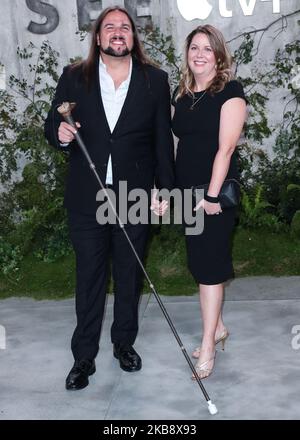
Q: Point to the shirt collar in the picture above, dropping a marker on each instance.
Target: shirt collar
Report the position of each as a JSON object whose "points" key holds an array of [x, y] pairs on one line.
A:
{"points": [[102, 67]]}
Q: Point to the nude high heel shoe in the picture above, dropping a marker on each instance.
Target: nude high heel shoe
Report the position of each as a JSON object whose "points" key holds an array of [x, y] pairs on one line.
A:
{"points": [[203, 371], [222, 338]]}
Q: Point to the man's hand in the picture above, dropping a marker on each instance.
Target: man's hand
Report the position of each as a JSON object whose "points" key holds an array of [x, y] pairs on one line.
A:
{"points": [[66, 132], [159, 208]]}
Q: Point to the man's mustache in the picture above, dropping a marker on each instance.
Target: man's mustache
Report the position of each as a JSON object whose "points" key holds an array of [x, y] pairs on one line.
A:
{"points": [[118, 38]]}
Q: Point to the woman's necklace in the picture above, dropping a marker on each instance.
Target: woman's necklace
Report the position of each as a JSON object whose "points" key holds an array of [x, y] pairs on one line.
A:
{"points": [[197, 100]]}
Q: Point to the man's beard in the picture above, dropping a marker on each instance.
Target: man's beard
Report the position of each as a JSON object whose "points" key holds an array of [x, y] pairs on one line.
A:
{"points": [[110, 51], [114, 53]]}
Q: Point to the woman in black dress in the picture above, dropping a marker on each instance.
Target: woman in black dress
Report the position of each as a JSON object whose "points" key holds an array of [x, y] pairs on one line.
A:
{"points": [[210, 111]]}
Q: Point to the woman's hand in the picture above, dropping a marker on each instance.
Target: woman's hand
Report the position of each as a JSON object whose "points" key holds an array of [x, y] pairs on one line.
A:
{"points": [[159, 208], [209, 208]]}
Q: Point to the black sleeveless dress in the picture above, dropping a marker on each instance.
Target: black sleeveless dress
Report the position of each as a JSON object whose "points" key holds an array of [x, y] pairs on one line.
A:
{"points": [[209, 253]]}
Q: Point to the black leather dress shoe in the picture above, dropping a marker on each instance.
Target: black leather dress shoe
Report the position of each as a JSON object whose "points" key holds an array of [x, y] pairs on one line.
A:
{"points": [[78, 377], [128, 357]]}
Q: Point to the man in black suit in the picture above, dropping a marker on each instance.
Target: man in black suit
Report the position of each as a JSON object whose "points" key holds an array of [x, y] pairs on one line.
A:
{"points": [[123, 111]]}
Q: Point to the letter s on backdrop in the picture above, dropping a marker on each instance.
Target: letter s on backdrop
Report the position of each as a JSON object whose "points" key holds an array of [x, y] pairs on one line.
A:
{"points": [[49, 11]]}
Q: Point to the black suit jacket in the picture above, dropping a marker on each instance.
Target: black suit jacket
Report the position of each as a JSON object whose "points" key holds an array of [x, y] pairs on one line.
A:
{"points": [[141, 145]]}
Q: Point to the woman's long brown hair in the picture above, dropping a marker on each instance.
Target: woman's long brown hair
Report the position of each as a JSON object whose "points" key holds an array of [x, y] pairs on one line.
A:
{"points": [[223, 62]]}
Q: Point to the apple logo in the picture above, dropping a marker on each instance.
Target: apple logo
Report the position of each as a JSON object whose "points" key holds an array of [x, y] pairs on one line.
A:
{"points": [[192, 9]]}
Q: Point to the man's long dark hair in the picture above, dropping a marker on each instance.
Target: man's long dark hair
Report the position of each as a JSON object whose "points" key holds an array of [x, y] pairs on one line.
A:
{"points": [[138, 52]]}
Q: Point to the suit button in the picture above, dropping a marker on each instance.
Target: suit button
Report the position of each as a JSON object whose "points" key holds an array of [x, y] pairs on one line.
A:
{"points": [[111, 141]]}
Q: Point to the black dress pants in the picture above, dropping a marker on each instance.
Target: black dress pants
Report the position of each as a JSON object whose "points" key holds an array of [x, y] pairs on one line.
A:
{"points": [[93, 245]]}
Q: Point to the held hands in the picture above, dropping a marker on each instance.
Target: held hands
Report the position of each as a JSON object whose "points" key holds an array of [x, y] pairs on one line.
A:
{"points": [[159, 208], [210, 208], [66, 132]]}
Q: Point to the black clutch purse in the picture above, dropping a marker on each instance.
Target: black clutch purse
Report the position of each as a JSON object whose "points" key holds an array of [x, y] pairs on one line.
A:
{"points": [[229, 196]]}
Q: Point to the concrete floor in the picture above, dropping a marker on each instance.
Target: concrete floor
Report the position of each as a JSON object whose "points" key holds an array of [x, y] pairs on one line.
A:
{"points": [[257, 377]]}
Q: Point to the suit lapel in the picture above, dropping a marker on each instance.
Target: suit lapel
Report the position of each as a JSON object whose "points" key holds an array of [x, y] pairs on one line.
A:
{"points": [[101, 106], [135, 86]]}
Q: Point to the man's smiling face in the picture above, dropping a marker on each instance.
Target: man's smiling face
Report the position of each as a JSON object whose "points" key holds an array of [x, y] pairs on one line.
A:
{"points": [[116, 35]]}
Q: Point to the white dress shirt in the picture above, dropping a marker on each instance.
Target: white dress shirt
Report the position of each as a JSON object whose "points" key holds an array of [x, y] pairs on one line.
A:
{"points": [[113, 101]]}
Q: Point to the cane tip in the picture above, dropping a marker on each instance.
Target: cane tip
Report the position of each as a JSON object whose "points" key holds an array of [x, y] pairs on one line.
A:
{"points": [[213, 410]]}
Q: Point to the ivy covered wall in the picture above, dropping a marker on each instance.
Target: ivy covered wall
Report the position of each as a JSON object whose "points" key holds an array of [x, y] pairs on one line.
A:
{"points": [[38, 38], [267, 24]]}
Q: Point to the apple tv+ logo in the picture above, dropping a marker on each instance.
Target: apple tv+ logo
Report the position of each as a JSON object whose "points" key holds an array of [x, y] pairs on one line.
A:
{"points": [[201, 9]]}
